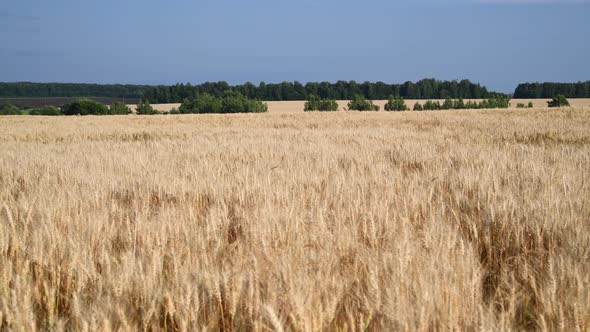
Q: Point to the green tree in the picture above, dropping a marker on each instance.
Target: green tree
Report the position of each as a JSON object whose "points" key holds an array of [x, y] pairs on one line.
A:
{"points": [[230, 102], [119, 108], [558, 101], [447, 104], [144, 108], [396, 104], [471, 105], [459, 104], [203, 103], [85, 107], [9, 109], [418, 107], [430, 105], [359, 103], [328, 105], [234, 102], [47, 111], [312, 103]]}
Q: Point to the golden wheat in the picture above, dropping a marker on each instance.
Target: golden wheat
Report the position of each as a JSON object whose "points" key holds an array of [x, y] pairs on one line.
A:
{"points": [[463, 220]]}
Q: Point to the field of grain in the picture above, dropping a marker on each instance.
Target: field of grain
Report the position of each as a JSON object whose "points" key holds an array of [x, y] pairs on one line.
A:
{"points": [[297, 106], [417, 221]]}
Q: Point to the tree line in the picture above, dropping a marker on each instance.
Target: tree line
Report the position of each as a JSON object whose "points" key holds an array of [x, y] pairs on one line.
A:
{"points": [[426, 88], [78, 107], [396, 103], [549, 90], [341, 90], [41, 90]]}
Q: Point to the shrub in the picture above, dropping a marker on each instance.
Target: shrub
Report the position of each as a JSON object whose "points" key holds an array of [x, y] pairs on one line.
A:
{"points": [[144, 108], [520, 105], [85, 107], [9, 109], [174, 111], [459, 104], [471, 105], [396, 104], [530, 105], [418, 107], [314, 103], [359, 103], [496, 102], [328, 105], [119, 108], [204, 103], [447, 104], [558, 101], [47, 110], [430, 105], [235, 102]]}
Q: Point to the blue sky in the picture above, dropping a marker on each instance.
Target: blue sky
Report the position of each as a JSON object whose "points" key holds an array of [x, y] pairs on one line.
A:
{"points": [[498, 43]]}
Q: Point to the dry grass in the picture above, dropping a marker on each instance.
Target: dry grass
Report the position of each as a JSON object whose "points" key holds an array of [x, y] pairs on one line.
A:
{"points": [[463, 220]]}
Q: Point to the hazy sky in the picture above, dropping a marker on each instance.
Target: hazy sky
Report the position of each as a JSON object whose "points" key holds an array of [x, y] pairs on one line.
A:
{"points": [[495, 42]]}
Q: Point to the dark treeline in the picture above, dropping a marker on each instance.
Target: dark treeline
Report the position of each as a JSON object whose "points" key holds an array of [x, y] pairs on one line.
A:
{"points": [[549, 90], [36, 102], [41, 90], [343, 90], [423, 89]]}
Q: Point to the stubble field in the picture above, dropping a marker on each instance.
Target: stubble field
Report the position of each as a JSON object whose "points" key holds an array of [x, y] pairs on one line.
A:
{"points": [[469, 220]]}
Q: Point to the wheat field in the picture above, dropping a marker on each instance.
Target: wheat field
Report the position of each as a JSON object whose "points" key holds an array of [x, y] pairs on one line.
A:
{"points": [[410, 221]]}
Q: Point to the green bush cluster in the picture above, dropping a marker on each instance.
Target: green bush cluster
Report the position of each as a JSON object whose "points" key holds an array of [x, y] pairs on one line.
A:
{"points": [[498, 102], [119, 108], [522, 105], [459, 104], [91, 107], [558, 101], [230, 102], [396, 104], [47, 110], [85, 107], [79, 107], [430, 105], [144, 108], [359, 103], [314, 103], [9, 109]]}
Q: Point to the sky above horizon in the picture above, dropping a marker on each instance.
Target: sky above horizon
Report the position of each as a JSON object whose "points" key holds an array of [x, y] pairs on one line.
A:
{"points": [[498, 43]]}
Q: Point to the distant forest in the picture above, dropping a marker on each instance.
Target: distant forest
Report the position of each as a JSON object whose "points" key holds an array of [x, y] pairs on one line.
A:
{"points": [[549, 90], [343, 90], [424, 89], [47, 90]]}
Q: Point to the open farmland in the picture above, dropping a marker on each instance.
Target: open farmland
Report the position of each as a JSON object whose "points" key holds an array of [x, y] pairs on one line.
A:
{"points": [[469, 220], [297, 106]]}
